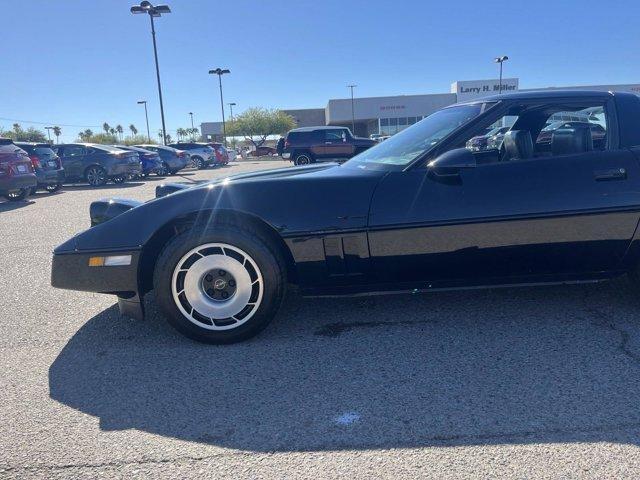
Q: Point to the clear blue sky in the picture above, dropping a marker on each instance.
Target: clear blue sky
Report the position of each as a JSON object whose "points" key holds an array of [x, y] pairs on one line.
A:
{"points": [[86, 62]]}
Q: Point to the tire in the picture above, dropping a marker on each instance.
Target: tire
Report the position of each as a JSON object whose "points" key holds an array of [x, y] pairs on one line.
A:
{"points": [[18, 195], [119, 179], [238, 262], [96, 176], [163, 171], [197, 162], [303, 158], [53, 188]]}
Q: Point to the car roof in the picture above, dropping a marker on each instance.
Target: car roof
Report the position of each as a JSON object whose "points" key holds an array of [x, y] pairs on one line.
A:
{"points": [[555, 93], [319, 127]]}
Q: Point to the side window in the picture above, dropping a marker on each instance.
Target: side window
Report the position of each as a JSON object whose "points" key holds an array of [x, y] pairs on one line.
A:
{"points": [[73, 151], [590, 123], [335, 135]]}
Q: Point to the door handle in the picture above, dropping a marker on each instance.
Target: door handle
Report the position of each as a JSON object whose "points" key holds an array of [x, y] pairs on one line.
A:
{"points": [[611, 174]]}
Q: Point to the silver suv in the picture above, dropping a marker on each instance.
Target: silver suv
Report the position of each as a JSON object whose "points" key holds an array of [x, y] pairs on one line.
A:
{"points": [[200, 155]]}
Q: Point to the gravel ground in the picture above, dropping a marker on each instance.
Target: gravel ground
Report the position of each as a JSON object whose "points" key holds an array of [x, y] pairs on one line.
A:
{"points": [[512, 383]]}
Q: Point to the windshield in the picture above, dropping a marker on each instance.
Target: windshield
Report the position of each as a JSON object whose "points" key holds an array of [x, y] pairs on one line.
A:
{"points": [[409, 144]]}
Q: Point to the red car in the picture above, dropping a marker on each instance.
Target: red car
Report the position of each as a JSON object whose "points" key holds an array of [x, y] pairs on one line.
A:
{"points": [[263, 151], [17, 176], [222, 156]]}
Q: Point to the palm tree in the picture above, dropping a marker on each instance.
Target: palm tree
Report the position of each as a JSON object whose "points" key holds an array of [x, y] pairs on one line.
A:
{"points": [[106, 127], [57, 131], [160, 134], [119, 129], [194, 132], [88, 132], [134, 130], [181, 132], [112, 131]]}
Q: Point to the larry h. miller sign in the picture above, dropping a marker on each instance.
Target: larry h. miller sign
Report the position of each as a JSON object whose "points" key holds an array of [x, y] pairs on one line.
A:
{"points": [[470, 89]]}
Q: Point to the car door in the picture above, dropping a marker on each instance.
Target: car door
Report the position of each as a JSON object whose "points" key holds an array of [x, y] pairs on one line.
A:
{"points": [[72, 160], [336, 144], [561, 215]]}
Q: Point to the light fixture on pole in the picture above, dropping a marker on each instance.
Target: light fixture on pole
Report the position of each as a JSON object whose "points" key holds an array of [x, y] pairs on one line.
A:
{"points": [[48, 129], [353, 115], [191, 115], [153, 12], [231, 105], [146, 116], [220, 72], [501, 60]]}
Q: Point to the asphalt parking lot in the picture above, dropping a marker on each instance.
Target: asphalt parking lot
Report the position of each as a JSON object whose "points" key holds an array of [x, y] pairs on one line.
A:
{"points": [[511, 383]]}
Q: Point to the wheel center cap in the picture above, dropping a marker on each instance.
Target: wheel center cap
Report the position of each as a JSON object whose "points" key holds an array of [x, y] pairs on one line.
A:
{"points": [[220, 284]]}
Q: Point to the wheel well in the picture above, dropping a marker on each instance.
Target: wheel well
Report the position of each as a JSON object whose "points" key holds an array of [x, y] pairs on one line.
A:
{"points": [[152, 249], [298, 152], [94, 165]]}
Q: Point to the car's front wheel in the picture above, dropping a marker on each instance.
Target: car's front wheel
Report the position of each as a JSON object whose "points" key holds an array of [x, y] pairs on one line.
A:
{"points": [[220, 285]]}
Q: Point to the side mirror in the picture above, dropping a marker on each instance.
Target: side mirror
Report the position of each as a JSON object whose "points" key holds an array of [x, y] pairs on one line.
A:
{"points": [[450, 163]]}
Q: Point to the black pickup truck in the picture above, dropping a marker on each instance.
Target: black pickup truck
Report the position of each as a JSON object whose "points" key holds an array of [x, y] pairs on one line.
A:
{"points": [[309, 144]]}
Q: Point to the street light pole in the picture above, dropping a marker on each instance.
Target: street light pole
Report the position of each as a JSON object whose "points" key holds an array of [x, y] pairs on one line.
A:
{"points": [[155, 11], [191, 114], [353, 115], [146, 116], [501, 60], [231, 105], [220, 72], [48, 129]]}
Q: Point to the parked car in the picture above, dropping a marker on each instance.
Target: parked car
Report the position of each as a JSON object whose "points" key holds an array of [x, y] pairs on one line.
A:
{"points": [[97, 164], [309, 144], [221, 153], [262, 151], [17, 176], [598, 133], [492, 139], [418, 212], [173, 160], [46, 164], [201, 155], [149, 161]]}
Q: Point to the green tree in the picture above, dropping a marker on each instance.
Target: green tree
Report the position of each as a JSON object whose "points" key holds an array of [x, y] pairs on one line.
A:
{"points": [[134, 130], [137, 140], [256, 124], [181, 132], [21, 135], [89, 137], [57, 131], [106, 127]]}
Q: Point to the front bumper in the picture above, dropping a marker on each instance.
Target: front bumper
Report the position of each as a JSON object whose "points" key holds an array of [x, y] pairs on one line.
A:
{"points": [[71, 271]]}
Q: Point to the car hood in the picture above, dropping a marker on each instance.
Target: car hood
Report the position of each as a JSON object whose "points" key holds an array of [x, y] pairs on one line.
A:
{"points": [[295, 201]]}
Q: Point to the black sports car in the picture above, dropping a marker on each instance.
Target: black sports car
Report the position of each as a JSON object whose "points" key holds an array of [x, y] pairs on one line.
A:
{"points": [[417, 212]]}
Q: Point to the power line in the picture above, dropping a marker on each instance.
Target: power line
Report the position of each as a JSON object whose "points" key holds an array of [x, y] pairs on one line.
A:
{"points": [[49, 123]]}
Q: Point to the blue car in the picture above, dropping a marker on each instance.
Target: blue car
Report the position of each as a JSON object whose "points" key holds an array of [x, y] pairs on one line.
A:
{"points": [[149, 161]]}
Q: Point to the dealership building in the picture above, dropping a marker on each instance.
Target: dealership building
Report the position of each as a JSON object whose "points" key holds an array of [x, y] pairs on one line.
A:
{"points": [[389, 115]]}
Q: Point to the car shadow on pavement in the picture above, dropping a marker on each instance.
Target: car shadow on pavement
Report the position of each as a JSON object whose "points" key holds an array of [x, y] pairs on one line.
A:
{"points": [[108, 186], [553, 364], [9, 205]]}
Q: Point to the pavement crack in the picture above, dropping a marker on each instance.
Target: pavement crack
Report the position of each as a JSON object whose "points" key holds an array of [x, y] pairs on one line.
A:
{"points": [[607, 321], [338, 328]]}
